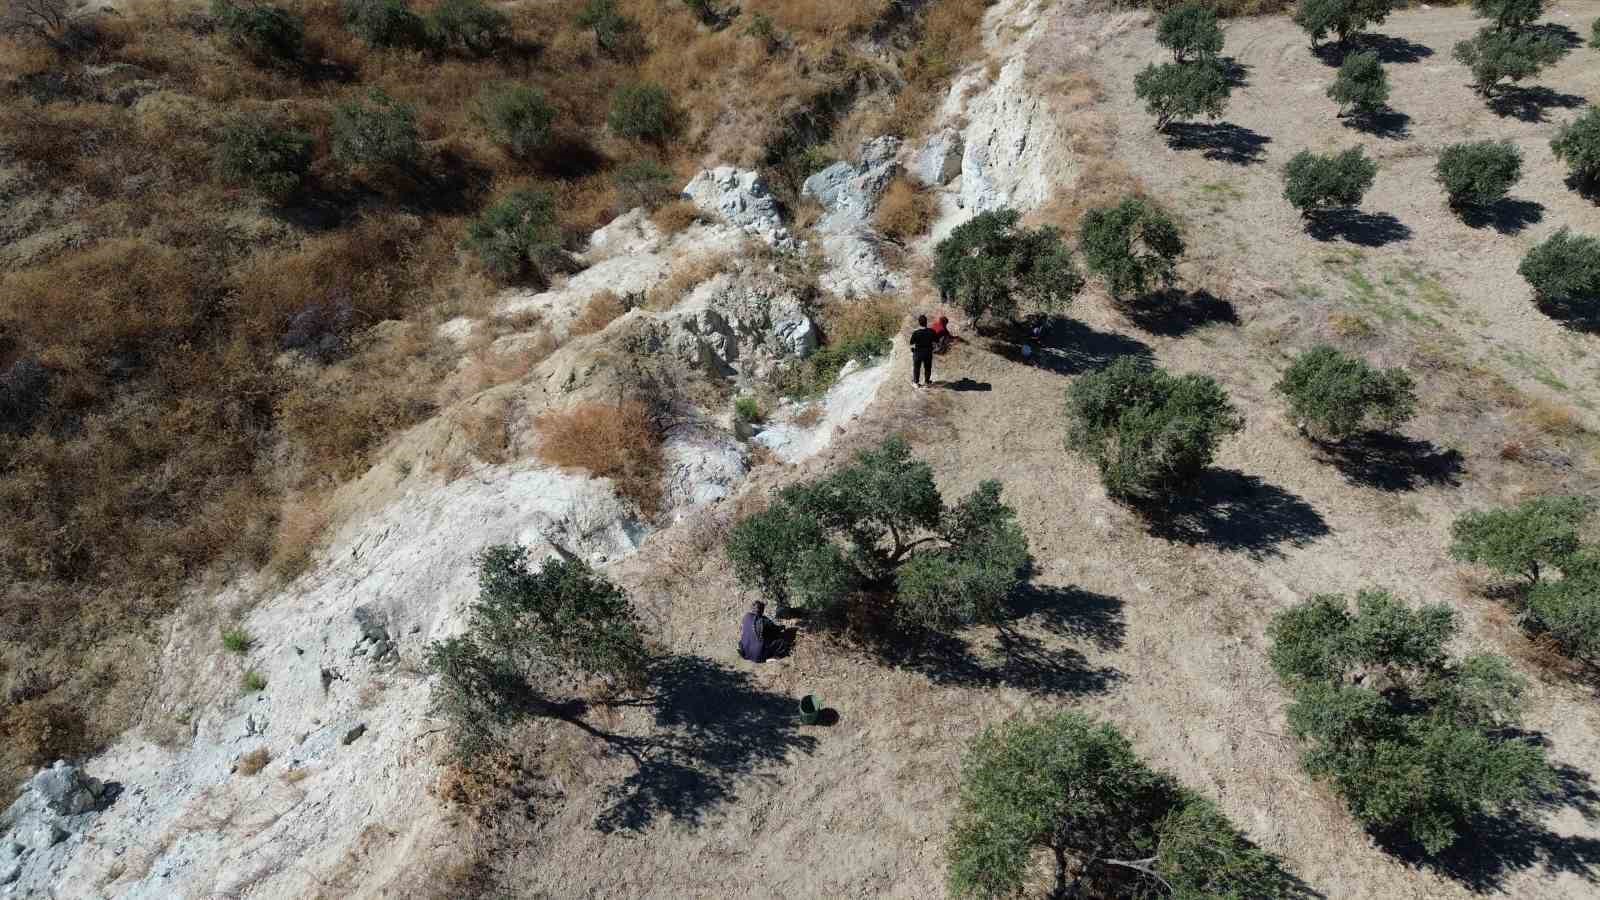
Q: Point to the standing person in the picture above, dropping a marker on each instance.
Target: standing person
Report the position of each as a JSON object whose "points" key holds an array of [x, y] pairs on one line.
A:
{"points": [[922, 341]]}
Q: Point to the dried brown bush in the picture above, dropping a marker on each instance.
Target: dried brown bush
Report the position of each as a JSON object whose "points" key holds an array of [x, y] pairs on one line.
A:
{"points": [[615, 441], [674, 217], [906, 210], [601, 310], [253, 762], [37, 732]]}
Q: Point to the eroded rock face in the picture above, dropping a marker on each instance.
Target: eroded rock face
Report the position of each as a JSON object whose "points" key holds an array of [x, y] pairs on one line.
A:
{"points": [[704, 465], [938, 161], [742, 199], [1014, 153], [65, 789], [849, 195], [39, 831]]}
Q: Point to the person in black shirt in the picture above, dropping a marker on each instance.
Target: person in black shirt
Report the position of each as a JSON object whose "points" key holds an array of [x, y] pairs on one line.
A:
{"points": [[922, 341]]}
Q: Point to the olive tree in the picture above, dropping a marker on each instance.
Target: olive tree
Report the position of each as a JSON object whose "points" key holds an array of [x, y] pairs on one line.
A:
{"points": [[1496, 56], [1344, 18], [879, 529], [1523, 540], [644, 112], [1509, 14], [1316, 182], [1568, 608], [1180, 91], [1578, 145], [1334, 395], [1594, 34], [1418, 744], [1360, 88], [615, 34], [992, 266], [1134, 246], [1478, 174], [519, 236], [1190, 30], [1564, 273], [1149, 432], [1114, 827], [471, 27], [535, 629]]}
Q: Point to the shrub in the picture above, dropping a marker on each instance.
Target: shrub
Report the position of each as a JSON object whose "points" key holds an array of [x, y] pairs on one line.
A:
{"points": [[748, 409], [1190, 29], [1341, 17], [1478, 174], [468, 26], [614, 33], [880, 528], [1150, 433], [381, 131], [1564, 273], [518, 235], [1115, 828], [269, 159], [616, 441], [35, 732], [645, 183], [905, 211], [992, 267], [1522, 540], [644, 112], [252, 682], [862, 330], [1568, 609], [534, 627], [763, 29], [1417, 744], [1314, 182], [1594, 34], [1181, 91], [1509, 13], [1578, 145], [1361, 88], [518, 117], [1496, 56], [270, 33], [1337, 395], [1134, 246], [53, 23], [237, 640], [384, 23]]}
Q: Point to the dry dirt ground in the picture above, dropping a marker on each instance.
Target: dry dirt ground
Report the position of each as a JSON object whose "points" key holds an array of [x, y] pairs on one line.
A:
{"points": [[711, 789]]}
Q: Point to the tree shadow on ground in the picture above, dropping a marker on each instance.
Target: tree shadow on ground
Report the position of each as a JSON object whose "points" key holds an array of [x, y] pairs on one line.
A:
{"points": [[1390, 49], [1507, 216], [1363, 229], [1175, 313], [1069, 347], [1385, 123], [1236, 73], [1393, 462], [1020, 660], [1237, 513], [1221, 142], [1495, 847], [1531, 103], [714, 729], [1582, 314]]}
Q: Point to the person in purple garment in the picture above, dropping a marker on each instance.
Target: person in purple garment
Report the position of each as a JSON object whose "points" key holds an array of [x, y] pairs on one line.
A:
{"points": [[760, 638]]}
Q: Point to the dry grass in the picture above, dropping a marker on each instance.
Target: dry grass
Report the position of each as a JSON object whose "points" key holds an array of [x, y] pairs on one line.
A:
{"points": [[947, 38], [674, 217], [601, 310], [302, 522], [253, 762], [619, 442], [686, 276], [906, 211]]}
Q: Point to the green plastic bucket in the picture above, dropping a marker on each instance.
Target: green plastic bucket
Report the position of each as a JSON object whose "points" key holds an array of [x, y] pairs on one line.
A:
{"points": [[810, 709]]}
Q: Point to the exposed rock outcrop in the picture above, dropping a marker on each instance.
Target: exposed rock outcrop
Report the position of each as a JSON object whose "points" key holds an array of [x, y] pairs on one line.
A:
{"points": [[849, 195], [741, 198]]}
